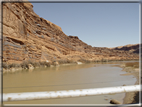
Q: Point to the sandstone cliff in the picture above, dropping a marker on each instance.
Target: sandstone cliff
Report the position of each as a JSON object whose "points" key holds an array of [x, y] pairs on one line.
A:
{"points": [[26, 36]]}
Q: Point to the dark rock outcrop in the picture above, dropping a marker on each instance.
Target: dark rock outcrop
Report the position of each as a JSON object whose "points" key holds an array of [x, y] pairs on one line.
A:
{"points": [[131, 48]]}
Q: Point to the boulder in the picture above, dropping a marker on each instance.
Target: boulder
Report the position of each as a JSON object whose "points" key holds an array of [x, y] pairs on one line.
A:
{"points": [[113, 101], [30, 66], [79, 63]]}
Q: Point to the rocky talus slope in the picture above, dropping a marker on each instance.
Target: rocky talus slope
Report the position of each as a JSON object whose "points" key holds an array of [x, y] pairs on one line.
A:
{"points": [[26, 36]]}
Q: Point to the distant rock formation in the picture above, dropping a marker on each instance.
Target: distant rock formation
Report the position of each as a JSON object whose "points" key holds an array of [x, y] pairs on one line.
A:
{"points": [[132, 48], [26, 36]]}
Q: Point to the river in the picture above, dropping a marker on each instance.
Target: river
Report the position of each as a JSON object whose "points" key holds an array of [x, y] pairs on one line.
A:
{"points": [[68, 77]]}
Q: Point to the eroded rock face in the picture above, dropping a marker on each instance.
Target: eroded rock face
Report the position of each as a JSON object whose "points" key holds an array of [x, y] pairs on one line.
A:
{"points": [[26, 36]]}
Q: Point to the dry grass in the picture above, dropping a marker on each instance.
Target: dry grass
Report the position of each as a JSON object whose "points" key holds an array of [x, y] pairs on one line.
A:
{"points": [[85, 61], [43, 64], [64, 61], [25, 64], [5, 65], [8, 66], [132, 64]]}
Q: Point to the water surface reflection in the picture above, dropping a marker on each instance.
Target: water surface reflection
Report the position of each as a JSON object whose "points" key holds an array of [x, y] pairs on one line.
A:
{"points": [[68, 77]]}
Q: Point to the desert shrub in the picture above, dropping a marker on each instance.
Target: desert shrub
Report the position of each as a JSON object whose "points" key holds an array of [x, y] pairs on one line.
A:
{"points": [[34, 64], [14, 65], [8, 66], [64, 61], [44, 63], [84, 61], [5, 65], [104, 60], [25, 64], [70, 61]]}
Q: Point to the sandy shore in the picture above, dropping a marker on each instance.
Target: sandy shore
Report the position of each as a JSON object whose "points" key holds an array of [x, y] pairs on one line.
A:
{"points": [[132, 97]]}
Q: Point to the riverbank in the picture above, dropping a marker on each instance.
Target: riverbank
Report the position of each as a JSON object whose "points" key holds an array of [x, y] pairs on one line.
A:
{"points": [[29, 64], [132, 69]]}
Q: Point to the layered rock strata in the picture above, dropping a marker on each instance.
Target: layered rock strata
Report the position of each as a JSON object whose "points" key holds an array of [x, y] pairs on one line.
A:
{"points": [[26, 36]]}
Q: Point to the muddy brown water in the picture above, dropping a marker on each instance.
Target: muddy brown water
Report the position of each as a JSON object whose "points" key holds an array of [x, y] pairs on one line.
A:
{"points": [[68, 77]]}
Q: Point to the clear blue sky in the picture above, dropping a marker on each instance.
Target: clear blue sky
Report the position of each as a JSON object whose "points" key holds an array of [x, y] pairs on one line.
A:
{"points": [[97, 24]]}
